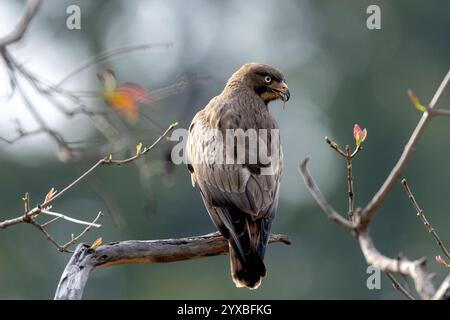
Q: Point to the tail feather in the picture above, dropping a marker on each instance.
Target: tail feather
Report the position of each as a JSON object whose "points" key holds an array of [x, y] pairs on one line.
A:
{"points": [[248, 274], [246, 256]]}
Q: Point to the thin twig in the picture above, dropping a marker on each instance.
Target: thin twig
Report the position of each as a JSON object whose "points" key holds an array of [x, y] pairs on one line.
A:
{"points": [[74, 183], [82, 233], [348, 156], [351, 199], [356, 151], [422, 217], [110, 202], [43, 225], [107, 55], [333, 145], [105, 161], [30, 106], [441, 112], [26, 202], [65, 217], [22, 135], [143, 152], [46, 234], [397, 286]]}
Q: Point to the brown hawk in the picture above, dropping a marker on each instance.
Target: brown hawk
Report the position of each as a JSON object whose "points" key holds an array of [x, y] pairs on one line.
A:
{"points": [[241, 196]]}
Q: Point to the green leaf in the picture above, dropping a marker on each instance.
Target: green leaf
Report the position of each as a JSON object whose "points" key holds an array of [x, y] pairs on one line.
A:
{"points": [[419, 106]]}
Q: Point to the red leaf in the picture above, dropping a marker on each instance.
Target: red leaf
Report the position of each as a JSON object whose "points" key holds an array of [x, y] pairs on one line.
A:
{"points": [[136, 92], [50, 195], [442, 262], [359, 135]]}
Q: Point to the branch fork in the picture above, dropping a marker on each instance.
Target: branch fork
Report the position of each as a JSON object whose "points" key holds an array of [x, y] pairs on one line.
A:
{"points": [[360, 220]]}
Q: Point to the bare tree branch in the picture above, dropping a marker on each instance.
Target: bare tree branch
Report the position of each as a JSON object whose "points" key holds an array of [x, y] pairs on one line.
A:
{"points": [[444, 290], [82, 233], [44, 208], [143, 152], [333, 145], [107, 55], [45, 233], [43, 126], [382, 193], [10, 222], [424, 220], [22, 135], [415, 269], [351, 193], [397, 286], [348, 156], [105, 161], [86, 260], [31, 9], [67, 218], [441, 112]]}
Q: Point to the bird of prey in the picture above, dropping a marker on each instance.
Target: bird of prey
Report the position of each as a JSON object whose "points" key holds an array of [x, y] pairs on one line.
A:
{"points": [[240, 198]]}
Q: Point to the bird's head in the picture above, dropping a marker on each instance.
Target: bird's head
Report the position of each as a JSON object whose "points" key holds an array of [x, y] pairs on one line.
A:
{"points": [[266, 81]]}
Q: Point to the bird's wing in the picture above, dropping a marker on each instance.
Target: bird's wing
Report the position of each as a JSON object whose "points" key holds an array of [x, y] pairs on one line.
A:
{"points": [[238, 185]]}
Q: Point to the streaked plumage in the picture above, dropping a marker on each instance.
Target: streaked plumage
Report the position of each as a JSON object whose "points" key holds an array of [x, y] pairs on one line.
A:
{"points": [[241, 202]]}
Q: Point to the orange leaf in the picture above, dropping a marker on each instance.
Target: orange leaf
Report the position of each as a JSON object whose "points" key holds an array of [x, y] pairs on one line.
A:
{"points": [[124, 98], [442, 262], [363, 135], [97, 243], [50, 195], [123, 102], [416, 101]]}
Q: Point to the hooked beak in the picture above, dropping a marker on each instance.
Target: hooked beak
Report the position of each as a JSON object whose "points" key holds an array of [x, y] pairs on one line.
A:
{"points": [[282, 90]]}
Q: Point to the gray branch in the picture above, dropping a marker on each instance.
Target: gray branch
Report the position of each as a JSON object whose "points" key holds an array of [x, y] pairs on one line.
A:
{"points": [[31, 9], [443, 293], [85, 260], [414, 269]]}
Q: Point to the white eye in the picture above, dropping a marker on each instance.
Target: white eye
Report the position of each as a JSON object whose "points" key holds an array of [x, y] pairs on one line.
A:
{"points": [[267, 79]]}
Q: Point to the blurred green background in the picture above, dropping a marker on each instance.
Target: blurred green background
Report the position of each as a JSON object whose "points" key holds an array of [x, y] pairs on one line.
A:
{"points": [[339, 73]]}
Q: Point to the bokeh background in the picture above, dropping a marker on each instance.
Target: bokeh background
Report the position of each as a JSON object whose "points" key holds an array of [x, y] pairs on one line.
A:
{"points": [[339, 73]]}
